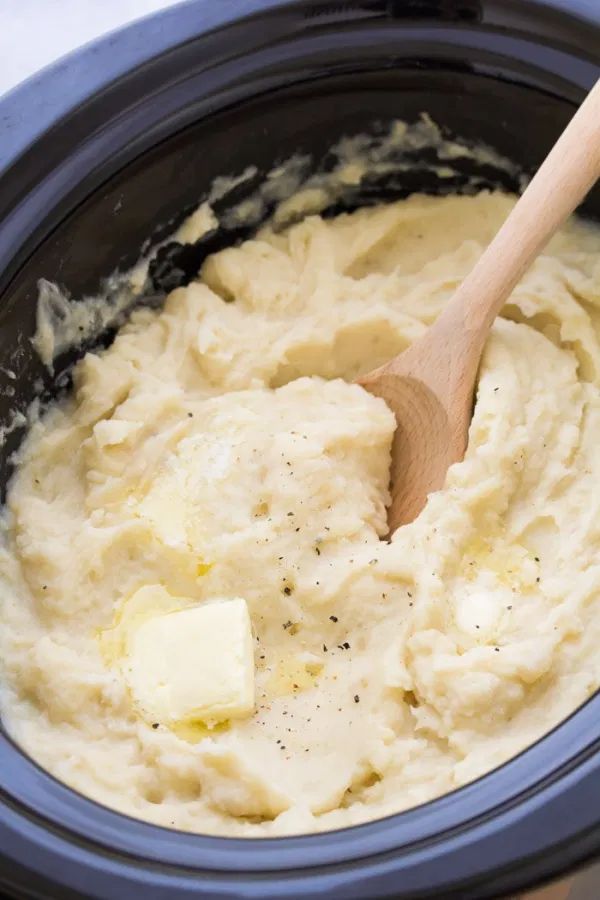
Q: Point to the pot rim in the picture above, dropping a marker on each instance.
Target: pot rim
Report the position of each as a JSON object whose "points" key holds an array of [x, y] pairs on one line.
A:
{"points": [[459, 841]]}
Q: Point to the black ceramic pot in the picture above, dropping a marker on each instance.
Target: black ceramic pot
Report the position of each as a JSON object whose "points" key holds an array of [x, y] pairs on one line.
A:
{"points": [[105, 149]]}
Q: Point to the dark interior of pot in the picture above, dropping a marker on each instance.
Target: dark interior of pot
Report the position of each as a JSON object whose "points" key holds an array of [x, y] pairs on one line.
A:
{"points": [[135, 205]]}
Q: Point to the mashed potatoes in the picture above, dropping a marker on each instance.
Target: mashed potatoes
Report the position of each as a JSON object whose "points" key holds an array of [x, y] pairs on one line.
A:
{"points": [[218, 450]]}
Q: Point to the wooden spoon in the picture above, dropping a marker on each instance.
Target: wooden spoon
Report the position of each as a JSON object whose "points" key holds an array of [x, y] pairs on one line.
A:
{"points": [[430, 386]]}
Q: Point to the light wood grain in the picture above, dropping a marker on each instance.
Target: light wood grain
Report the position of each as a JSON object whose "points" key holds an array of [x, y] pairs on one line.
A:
{"points": [[430, 386], [560, 890]]}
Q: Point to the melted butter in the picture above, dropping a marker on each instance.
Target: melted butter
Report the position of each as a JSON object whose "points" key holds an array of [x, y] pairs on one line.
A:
{"points": [[194, 731], [511, 564], [292, 675]]}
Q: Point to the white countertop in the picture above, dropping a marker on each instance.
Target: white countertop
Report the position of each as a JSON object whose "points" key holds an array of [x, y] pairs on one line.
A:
{"points": [[33, 33]]}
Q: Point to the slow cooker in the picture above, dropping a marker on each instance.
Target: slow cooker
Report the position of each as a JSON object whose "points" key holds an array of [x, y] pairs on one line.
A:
{"points": [[103, 154]]}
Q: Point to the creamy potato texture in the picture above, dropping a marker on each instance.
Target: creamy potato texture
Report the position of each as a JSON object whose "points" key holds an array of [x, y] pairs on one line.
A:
{"points": [[219, 449]]}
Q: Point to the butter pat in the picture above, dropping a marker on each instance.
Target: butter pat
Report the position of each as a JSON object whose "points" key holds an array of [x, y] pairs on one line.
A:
{"points": [[193, 664]]}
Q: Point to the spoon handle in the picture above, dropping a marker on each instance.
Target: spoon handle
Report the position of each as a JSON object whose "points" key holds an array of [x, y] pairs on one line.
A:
{"points": [[559, 185]]}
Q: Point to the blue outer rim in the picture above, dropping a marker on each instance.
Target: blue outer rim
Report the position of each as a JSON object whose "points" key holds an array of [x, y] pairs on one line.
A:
{"points": [[32, 107], [530, 820], [536, 816]]}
